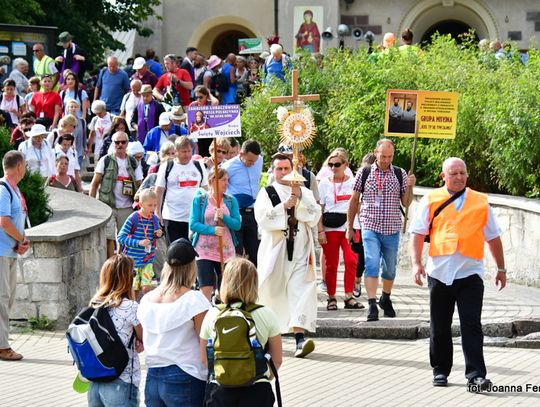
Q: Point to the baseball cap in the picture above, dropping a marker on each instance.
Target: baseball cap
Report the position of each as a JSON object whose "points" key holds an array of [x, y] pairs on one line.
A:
{"points": [[164, 119], [139, 63], [181, 252], [63, 38]]}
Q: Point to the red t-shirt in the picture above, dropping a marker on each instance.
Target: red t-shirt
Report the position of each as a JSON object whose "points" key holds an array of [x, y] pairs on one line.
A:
{"points": [[181, 74], [44, 103]]}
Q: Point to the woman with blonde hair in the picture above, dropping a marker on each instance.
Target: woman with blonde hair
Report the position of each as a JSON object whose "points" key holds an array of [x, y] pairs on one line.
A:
{"points": [[203, 222], [221, 146], [335, 192], [238, 288], [171, 316], [115, 293]]}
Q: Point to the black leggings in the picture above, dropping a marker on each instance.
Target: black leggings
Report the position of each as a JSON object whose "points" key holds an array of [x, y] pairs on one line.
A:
{"points": [[175, 230], [358, 248]]}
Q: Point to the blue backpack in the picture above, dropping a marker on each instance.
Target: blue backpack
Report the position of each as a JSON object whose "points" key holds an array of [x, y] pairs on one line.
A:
{"points": [[95, 346]]}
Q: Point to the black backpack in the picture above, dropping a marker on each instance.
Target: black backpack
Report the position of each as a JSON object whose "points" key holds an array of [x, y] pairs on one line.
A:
{"points": [[168, 170], [95, 345], [219, 83], [397, 171], [200, 79]]}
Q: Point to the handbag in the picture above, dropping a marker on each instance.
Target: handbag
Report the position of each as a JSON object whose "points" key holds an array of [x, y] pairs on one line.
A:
{"points": [[334, 219]]}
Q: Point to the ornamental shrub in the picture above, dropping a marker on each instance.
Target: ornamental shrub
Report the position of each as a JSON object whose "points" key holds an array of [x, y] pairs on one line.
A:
{"points": [[32, 186], [498, 125]]}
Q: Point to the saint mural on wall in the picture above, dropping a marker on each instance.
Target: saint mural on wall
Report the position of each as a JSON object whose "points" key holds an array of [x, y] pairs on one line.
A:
{"points": [[308, 20]]}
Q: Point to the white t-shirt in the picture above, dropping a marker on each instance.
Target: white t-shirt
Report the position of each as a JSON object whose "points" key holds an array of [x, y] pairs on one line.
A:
{"points": [[101, 126], [71, 155], [335, 198], [39, 159], [124, 318], [182, 183], [122, 201], [129, 103], [169, 335]]}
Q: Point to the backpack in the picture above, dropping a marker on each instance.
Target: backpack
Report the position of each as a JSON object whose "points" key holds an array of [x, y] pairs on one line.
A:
{"points": [[397, 171], [219, 83], [8, 189], [95, 345], [135, 218], [200, 78], [78, 95], [235, 357]]}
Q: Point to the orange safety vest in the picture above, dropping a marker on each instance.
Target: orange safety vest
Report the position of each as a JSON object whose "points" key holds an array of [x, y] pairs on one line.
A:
{"points": [[461, 231]]}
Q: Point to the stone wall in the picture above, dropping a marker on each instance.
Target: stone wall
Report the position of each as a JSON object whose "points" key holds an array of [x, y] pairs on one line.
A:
{"points": [[519, 219], [60, 272]]}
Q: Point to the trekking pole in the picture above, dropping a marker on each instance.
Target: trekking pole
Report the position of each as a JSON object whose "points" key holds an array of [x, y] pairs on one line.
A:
{"points": [[411, 170]]}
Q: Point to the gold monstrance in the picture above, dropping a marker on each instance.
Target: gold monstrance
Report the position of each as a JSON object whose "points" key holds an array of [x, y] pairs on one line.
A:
{"points": [[297, 127]]}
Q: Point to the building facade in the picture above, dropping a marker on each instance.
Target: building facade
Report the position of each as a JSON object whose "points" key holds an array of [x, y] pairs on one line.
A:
{"points": [[214, 27]]}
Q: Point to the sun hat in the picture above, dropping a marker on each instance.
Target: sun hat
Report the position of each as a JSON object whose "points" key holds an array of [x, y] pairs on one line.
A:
{"points": [[177, 113], [37, 130], [213, 61], [146, 89]]}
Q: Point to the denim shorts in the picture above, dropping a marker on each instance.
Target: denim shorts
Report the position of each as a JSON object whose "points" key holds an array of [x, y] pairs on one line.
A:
{"points": [[207, 271], [380, 251], [171, 386], [116, 393]]}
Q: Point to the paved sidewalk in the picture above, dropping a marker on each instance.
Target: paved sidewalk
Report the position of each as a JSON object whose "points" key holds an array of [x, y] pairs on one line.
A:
{"points": [[501, 308], [341, 373]]}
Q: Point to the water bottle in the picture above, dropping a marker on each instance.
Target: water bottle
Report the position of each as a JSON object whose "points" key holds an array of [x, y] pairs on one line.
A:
{"points": [[260, 360], [210, 357]]}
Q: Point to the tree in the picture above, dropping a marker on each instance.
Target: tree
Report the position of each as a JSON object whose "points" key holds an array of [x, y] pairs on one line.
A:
{"points": [[91, 22]]}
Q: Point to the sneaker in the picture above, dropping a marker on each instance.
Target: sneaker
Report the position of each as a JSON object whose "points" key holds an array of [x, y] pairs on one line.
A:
{"points": [[322, 286], [9, 355], [478, 384], [386, 305], [373, 314], [304, 348], [357, 291], [440, 380]]}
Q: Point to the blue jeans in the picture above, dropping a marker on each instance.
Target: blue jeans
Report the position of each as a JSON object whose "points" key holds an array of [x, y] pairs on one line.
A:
{"points": [[380, 249], [171, 386], [113, 394]]}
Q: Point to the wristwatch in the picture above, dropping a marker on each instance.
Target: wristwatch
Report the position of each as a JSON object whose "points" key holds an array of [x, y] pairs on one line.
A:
{"points": [[501, 270]]}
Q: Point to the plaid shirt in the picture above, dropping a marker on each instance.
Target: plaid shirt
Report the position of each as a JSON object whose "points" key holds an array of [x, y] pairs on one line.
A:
{"points": [[383, 217]]}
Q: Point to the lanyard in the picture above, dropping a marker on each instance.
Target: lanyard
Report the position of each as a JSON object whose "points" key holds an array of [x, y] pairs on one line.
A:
{"points": [[338, 192], [19, 194], [40, 156], [380, 183]]}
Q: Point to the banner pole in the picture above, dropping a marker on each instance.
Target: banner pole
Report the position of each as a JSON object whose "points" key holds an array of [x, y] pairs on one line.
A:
{"points": [[411, 171]]}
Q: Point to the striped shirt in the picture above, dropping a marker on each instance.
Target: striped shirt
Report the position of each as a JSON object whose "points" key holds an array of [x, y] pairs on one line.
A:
{"points": [[145, 230], [381, 200]]}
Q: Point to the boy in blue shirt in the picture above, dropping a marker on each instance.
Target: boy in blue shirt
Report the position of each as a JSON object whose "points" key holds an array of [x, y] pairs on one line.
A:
{"points": [[139, 237]]}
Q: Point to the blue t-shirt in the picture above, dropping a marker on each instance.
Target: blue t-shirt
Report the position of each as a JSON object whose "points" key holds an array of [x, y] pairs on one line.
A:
{"points": [[154, 67], [243, 181], [275, 69], [10, 206], [113, 87], [68, 95]]}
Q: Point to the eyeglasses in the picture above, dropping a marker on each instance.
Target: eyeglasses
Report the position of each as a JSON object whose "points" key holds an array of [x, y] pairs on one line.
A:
{"points": [[118, 142], [336, 165]]}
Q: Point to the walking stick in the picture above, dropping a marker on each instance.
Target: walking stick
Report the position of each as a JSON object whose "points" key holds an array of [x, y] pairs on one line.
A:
{"points": [[411, 170], [218, 203]]}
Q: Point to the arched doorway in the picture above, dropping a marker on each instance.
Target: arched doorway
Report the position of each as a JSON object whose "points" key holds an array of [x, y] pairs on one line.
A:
{"points": [[227, 42], [453, 27]]}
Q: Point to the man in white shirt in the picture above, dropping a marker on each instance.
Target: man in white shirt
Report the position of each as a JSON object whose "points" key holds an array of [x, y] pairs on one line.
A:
{"points": [[117, 187], [176, 184]]}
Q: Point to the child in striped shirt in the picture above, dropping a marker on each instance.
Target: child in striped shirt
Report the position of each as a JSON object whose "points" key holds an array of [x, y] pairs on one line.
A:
{"points": [[139, 237]]}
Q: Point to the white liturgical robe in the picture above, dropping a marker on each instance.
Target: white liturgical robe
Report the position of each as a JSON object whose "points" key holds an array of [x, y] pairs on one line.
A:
{"points": [[288, 287]]}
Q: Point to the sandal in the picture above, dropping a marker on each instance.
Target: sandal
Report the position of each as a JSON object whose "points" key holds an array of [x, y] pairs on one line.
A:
{"points": [[331, 304], [351, 303]]}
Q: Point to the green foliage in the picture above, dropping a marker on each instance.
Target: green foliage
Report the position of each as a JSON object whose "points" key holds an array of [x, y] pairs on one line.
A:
{"points": [[32, 186], [90, 21], [498, 129], [41, 323]]}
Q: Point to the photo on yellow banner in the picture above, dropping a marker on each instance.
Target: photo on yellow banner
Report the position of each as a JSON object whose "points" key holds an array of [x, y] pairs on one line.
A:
{"points": [[433, 112], [401, 106]]}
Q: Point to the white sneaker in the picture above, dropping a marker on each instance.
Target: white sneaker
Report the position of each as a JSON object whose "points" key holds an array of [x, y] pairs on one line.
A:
{"points": [[304, 348], [322, 286]]}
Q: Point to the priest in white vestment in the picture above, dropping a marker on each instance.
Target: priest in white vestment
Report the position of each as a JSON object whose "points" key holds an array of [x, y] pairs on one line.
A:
{"points": [[288, 287]]}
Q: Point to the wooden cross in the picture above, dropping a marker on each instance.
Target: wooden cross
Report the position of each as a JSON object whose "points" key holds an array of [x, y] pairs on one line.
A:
{"points": [[295, 98]]}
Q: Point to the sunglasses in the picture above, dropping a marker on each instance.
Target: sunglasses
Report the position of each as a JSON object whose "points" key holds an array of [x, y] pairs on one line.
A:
{"points": [[118, 142], [222, 152], [200, 97], [336, 165], [36, 50]]}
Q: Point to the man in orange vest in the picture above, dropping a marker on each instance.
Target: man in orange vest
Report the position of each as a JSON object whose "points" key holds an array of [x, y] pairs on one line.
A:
{"points": [[455, 268]]}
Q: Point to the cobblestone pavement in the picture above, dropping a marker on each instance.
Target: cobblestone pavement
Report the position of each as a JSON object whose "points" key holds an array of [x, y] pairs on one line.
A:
{"points": [[341, 372]]}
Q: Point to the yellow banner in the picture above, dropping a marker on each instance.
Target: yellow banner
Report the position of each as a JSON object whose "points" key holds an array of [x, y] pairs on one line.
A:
{"points": [[435, 113]]}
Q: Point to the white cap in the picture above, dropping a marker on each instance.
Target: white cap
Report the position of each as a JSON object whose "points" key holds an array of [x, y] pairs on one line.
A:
{"points": [[164, 119], [139, 63], [135, 147]]}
